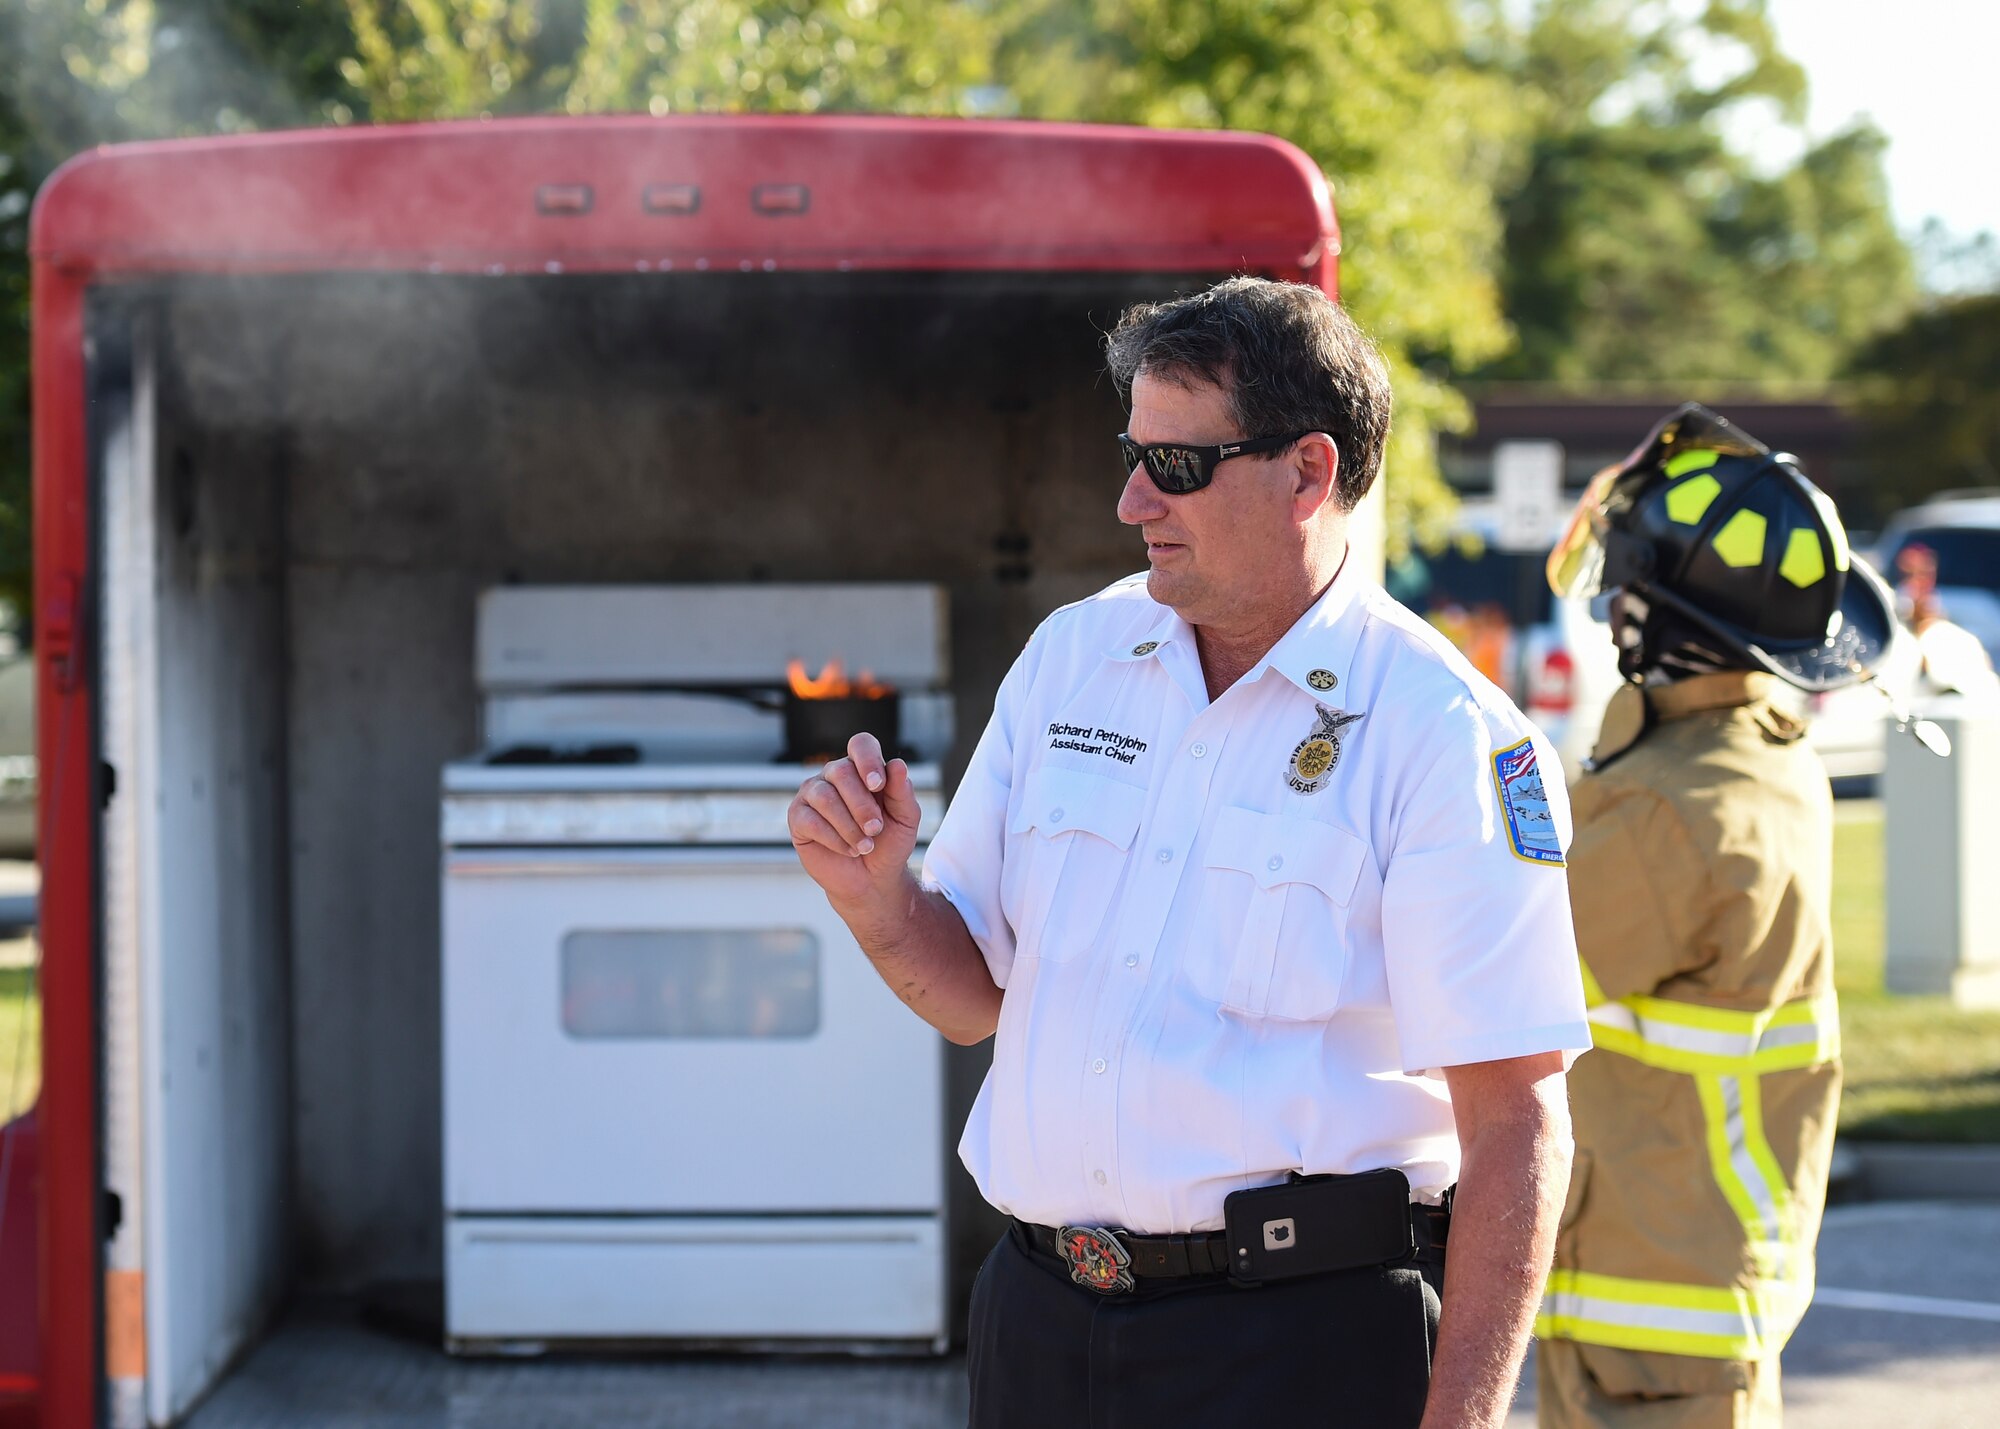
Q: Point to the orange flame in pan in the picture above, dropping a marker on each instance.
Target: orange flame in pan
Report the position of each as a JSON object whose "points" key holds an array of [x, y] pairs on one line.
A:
{"points": [[832, 683]]}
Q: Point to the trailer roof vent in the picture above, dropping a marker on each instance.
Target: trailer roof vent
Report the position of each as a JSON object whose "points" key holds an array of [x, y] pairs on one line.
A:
{"points": [[671, 198], [775, 199], [563, 199]]}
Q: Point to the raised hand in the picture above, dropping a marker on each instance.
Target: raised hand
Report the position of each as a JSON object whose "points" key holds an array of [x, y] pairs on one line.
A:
{"points": [[854, 823]]}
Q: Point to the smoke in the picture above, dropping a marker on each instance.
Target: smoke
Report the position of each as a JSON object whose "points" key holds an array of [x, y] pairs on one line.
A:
{"points": [[108, 71]]}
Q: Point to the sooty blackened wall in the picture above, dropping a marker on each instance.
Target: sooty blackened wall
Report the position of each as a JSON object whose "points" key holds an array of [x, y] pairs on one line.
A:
{"points": [[438, 435]]}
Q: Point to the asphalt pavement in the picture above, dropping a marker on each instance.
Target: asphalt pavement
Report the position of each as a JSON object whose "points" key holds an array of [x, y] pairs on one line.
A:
{"points": [[1905, 1327]]}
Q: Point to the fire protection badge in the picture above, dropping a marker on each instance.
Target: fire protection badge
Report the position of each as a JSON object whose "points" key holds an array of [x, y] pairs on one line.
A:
{"points": [[1097, 1260], [1314, 759], [1531, 825]]}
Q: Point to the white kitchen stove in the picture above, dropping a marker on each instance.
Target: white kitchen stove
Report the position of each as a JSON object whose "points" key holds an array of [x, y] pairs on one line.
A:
{"points": [[680, 1105], [641, 803]]}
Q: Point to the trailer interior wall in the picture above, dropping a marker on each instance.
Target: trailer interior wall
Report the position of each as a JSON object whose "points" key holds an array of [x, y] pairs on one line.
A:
{"points": [[196, 1019], [347, 461]]}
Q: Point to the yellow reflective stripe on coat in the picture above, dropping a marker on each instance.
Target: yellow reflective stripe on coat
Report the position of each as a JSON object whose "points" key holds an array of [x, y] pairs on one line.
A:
{"points": [[1684, 1037], [1725, 1053], [1747, 1172], [1593, 995], [1670, 1318]]}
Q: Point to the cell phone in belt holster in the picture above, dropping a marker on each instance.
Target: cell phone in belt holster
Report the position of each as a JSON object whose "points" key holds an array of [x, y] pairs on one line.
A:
{"points": [[1313, 1224]]}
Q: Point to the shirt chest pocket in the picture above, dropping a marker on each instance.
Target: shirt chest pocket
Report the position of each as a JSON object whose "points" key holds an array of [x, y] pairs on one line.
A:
{"points": [[1066, 849], [1274, 936]]}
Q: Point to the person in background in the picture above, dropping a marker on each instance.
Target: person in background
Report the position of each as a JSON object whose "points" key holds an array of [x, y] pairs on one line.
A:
{"points": [[1699, 879], [1259, 885], [1951, 661]]}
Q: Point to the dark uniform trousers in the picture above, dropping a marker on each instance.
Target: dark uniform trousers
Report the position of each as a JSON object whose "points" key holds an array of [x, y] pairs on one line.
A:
{"points": [[1350, 1348]]}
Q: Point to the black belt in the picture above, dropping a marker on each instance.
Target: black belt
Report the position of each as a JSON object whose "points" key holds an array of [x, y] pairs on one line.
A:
{"points": [[1086, 1250]]}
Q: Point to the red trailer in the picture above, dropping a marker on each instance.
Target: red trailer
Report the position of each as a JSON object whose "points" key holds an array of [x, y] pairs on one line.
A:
{"points": [[298, 398]]}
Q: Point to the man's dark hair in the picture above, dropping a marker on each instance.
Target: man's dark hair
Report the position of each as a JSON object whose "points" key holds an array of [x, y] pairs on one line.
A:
{"points": [[1288, 356]]}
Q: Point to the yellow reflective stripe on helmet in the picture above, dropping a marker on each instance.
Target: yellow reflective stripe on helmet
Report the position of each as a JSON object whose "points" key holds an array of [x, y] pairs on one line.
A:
{"points": [[1688, 502], [1688, 461], [1684, 1037], [1740, 542], [1668, 1317], [1804, 563]]}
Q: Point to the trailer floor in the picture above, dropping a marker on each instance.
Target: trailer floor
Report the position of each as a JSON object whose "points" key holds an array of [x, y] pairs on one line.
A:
{"points": [[1905, 1331], [325, 1367]]}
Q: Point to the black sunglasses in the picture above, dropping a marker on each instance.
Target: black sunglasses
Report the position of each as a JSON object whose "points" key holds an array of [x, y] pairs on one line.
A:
{"points": [[1178, 469]]}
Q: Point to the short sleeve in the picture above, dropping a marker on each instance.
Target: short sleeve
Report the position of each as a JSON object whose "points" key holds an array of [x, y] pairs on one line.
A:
{"points": [[964, 857], [1478, 942]]}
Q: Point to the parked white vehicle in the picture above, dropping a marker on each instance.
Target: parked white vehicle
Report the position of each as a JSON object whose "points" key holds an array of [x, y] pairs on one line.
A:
{"points": [[1847, 727]]}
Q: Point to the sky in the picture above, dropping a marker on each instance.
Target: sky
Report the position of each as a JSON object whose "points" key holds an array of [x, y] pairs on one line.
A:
{"points": [[1925, 72]]}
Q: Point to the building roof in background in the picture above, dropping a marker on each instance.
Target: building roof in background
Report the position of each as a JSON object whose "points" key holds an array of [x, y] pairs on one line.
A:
{"points": [[1619, 418]]}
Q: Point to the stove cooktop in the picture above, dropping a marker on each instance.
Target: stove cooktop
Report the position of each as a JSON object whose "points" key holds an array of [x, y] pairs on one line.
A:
{"points": [[564, 804]]}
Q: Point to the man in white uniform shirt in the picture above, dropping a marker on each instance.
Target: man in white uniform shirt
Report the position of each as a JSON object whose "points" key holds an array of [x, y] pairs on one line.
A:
{"points": [[1259, 887]]}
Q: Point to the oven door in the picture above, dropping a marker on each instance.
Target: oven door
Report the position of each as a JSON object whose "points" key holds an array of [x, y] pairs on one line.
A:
{"points": [[674, 1030]]}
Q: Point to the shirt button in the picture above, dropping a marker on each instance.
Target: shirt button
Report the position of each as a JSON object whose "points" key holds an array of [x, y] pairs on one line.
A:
{"points": [[1097, 1066], [1199, 750], [1055, 816], [1131, 960], [1101, 1177], [1165, 855], [1277, 862]]}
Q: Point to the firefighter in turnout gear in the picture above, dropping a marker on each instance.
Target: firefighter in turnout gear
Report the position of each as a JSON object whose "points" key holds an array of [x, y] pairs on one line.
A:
{"points": [[1699, 880]]}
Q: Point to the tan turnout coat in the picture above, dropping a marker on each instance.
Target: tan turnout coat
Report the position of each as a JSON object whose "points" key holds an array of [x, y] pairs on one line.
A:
{"points": [[1705, 1115]]}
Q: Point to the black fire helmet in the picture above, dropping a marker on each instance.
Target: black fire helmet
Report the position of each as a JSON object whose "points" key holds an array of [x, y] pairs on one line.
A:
{"points": [[1706, 520]]}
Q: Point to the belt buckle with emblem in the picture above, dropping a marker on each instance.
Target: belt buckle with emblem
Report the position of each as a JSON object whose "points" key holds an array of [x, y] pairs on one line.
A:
{"points": [[1097, 1261], [1315, 756]]}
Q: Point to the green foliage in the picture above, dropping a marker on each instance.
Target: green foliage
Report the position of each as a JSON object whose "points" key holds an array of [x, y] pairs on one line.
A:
{"points": [[16, 535], [77, 73], [673, 56], [1551, 199], [1928, 390], [1383, 96], [1642, 245], [428, 59], [20, 1041], [425, 59]]}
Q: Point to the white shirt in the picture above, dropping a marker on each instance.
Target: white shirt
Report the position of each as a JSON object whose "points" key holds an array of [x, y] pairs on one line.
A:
{"points": [[1238, 938]]}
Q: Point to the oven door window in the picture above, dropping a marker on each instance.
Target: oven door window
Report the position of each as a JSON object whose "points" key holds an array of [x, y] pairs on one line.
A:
{"points": [[690, 982]]}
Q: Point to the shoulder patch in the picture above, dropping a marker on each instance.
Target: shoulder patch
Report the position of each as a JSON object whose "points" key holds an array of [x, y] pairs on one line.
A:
{"points": [[1531, 826]]}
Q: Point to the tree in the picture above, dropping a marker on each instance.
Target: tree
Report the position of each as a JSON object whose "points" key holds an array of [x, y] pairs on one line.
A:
{"points": [[74, 75], [1570, 174], [1640, 244], [430, 59], [16, 534], [1928, 399], [1383, 96], [1951, 263]]}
